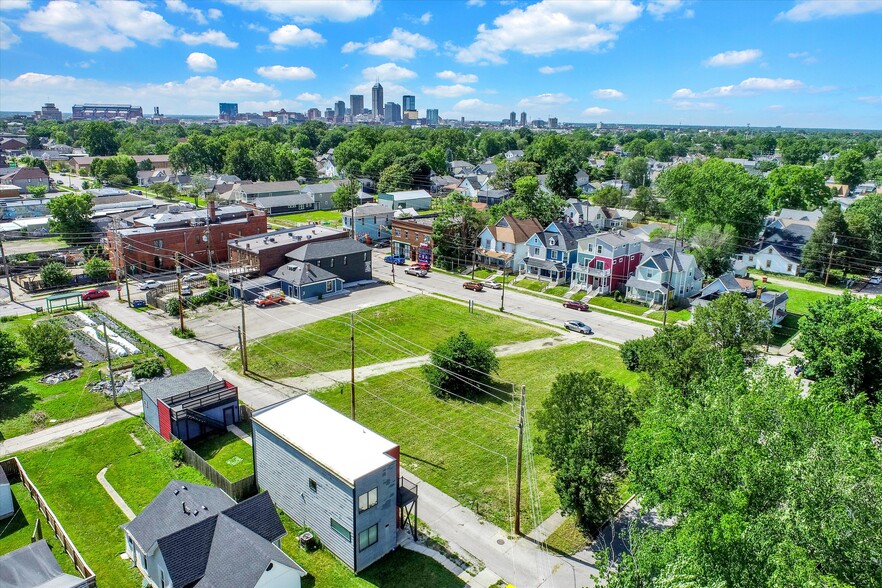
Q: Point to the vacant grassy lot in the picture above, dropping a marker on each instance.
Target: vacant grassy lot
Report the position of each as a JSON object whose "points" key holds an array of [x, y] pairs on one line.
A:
{"points": [[228, 454], [567, 538], [332, 217], [462, 447], [531, 284], [797, 300], [420, 323]]}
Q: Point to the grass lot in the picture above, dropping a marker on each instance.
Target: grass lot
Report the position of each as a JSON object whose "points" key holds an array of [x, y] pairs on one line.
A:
{"points": [[482, 274], [797, 300], [784, 332], [506, 279], [16, 532], [558, 291], [580, 295], [333, 217], [567, 538], [424, 321], [837, 280], [673, 315], [229, 455], [610, 302], [531, 284], [439, 442]]}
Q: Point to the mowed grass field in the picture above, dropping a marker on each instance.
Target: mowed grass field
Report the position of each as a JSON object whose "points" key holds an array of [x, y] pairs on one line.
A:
{"points": [[468, 450], [387, 332]]}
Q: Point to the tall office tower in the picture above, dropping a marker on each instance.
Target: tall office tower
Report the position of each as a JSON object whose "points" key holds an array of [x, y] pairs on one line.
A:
{"points": [[356, 104], [377, 100], [339, 109], [523, 119], [228, 111], [512, 119], [392, 112], [432, 117], [408, 103], [552, 122], [329, 114], [313, 113], [49, 112]]}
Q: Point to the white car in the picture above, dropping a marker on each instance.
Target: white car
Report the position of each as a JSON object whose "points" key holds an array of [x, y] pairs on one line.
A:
{"points": [[149, 285], [193, 276], [415, 271], [876, 280], [492, 285]]}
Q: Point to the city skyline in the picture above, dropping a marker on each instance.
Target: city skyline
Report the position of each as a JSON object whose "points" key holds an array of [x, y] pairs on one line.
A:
{"points": [[652, 62]]}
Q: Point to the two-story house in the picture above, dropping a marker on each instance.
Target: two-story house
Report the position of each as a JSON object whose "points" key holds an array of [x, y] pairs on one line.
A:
{"points": [[664, 271], [605, 261], [373, 221], [552, 252], [504, 245]]}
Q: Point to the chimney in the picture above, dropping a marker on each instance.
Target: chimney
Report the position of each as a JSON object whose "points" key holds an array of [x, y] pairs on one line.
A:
{"points": [[212, 211]]}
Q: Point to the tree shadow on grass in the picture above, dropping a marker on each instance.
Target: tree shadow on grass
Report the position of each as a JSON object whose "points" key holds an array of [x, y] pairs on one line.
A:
{"points": [[16, 523], [15, 398]]}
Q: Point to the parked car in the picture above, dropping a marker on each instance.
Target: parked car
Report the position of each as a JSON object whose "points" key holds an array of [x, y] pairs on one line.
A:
{"points": [[149, 285], [193, 276], [476, 286], [876, 280], [415, 271], [269, 298], [139, 303], [491, 284], [579, 327], [138, 192], [576, 305], [186, 291], [422, 265], [95, 294], [395, 259]]}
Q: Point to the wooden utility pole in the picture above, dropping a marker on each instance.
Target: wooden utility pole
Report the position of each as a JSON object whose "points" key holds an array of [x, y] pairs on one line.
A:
{"points": [[517, 514], [110, 366], [128, 294], [244, 333], [6, 271], [671, 273], [829, 260], [352, 362], [502, 302], [180, 297]]}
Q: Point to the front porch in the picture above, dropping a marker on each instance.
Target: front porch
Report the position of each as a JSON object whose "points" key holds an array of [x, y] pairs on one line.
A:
{"points": [[496, 260], [544, 270], [592, 278]]}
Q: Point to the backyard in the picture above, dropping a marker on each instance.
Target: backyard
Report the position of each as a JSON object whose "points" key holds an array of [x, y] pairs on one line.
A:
{"points": [[395, 330], [332, 217], [226, 453], [468, 449]]}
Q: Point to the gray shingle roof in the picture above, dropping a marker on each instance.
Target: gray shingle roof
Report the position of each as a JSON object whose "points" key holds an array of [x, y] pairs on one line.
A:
{"points": [[34, 566], [299, 273], [258, 513], [173, 385], [283, 200], [326, 249]]}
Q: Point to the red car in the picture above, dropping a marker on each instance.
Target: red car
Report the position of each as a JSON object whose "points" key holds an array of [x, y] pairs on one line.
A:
{"points": [[576, 305], [476, 286], [422, 265], [95, 294]]}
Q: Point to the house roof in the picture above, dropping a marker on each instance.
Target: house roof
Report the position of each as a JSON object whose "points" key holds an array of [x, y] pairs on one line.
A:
{"points": [[368, 210], [569, 235], [634, 282], [509, 229], [340, 445], [325, 249], [174, 385], [283, 200], [284, 237], [810, 216], [301, 274], [326, 188], [34, 566], [406, 195], [27, 173], [545, 263], [262, 187]]}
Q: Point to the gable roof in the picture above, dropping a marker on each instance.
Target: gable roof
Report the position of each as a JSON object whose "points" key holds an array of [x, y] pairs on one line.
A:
{"points": [[27, 173], [324, 249], [174, 385], [300, 273], [34, 566], [370, 209], [566, 237], [515, 230]]}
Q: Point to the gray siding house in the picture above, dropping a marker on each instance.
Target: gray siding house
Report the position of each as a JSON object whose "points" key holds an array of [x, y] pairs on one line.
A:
{"points": [[347, 259], [330, 474]]}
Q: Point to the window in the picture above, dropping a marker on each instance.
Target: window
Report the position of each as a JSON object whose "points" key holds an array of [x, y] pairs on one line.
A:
{"points": [[341, 530], [365, 256], [397, 232], [332, 262], [406, 236], [535, 251], [157, 243], [312, 485], [367, 500], [789, 267], [346, 260], [590, 247], [599, 249], [330, 286], [768, 263], [367, 537]]}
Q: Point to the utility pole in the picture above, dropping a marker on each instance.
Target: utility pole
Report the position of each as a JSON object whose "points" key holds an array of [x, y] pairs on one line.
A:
{"points": [[110, 366], [829, 260], [244, 334], [671, 273], [502, 303], [180, 297], [352, 361], [128, 294], [6, 271], [517, 521]]}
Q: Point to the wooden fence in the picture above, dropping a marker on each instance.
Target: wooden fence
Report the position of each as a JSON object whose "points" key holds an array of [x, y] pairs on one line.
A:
{"points": [[15, 472], [238, 490]]}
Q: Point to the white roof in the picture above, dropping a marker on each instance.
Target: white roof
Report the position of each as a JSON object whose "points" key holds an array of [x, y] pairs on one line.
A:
{"points": [[408, 194], [342, 446]]}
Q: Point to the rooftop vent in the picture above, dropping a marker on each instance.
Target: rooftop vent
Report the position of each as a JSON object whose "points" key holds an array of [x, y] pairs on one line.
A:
{"points": [[184, 507]]}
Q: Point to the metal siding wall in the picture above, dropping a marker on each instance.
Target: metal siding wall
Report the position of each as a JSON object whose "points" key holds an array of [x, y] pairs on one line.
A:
{"points": [[164, 420], [384, 515], [217, 412], [285, 473], [151, 414]]}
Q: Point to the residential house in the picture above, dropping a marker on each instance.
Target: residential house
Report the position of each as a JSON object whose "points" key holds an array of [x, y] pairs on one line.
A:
{"points": [[580, 212], [412, 237], [84, 163], [7, 505], [332, 475], [12, 146], [321, 194], [325, 165], [443, 184], [664, 271], [779, 249], [485, 169], [774, 302], [347, 259], [810, 217], [190, 404], [643, 232], [195, 536], [260, 254], [492, 197], [605, 261], [504, 245], [369, 222], [514, 155], [552, 252], [460, 168], [273, 197], [34, 566], [839, 190], [301, 281], [418, 199], [622, 185], [469, 186], [26, 177]]}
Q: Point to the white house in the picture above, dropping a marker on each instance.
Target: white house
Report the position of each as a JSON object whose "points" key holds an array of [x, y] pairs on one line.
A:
{"points": [[779, 250], [504, 245], [663, 271]]}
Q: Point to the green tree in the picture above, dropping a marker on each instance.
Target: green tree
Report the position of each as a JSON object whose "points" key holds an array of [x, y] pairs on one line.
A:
{"points": [[799, 150], [29, 161], [547, 148], [236, 160], [713, 248], [509, 172], [10, 354], [816, 253], [166, 190], [561, 179], [145, 165], [197, 190], [794, 186], [394, 178], [54, 274], [607, 196], [644, 201], [460, 367], [733, 322], [660, 150], [874, 170], [47, 342], [864, 219], [435, 159], [184, 157], [99, 138], [38, 191], [70, 216], [849, 168], [531, 202], [98, 269], [455, 230], [584, 422], [345, 197], [635, 171]]}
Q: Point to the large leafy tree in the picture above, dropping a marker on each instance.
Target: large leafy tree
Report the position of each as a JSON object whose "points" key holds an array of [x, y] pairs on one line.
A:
{"points": [[531, 202], [510, 172], [584, 422], [864, 219], [456, 229], [733, 322], [794, 186], [98, 269], [461, 367], [48, 343], [635, 171], [345, 197], [10, 354], [607, 196], [713, 247], [99, 138], [849, 168], [70, 216], [54, 274], [394, 178], [816, 255]]}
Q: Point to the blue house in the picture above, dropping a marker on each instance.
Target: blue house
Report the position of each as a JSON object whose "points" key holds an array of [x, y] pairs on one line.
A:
{"points": [[304, 280], [372, 221], [552, 252]]}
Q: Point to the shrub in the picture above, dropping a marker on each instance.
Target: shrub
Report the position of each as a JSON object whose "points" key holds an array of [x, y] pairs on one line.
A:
{"points": [[172, 306], [630, 352], [48, 343], [185, 333], [176, 451], [39, 418], [618, 296], [811, 277], [149, 368], [457, 364], [98, 269], [10, 353], [54, 274], [213, 280]]}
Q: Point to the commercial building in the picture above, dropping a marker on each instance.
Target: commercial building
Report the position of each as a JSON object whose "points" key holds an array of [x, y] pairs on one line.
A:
{"points": [[552, 122], [356, 104], [260, 254], [48, 112], [512, 119], [313, 114], [106, 111], [523, 119], [377, 100], [412, 237], [228, 111], [432, 117], [408, 102], [392, 112], [339, 110]]}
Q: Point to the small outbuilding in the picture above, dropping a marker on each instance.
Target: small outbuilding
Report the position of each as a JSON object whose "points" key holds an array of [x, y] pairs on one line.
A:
{"points": [[34, 566], [7, 507]]}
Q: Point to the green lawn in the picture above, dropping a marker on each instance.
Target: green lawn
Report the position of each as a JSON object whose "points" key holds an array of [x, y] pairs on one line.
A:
{"points": [[483, 274], [507, 279], [797, 300], [558, 291], [610, 302], [567, 539], [837, 280], [419, 321], [580, 295], [334, 217], [784, 332], [439, 439], [16, 532], [229, 455], [673, 315], [531, 284]]}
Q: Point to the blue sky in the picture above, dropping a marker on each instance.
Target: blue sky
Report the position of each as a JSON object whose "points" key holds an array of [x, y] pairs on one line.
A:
{"points": [[803, 63]]}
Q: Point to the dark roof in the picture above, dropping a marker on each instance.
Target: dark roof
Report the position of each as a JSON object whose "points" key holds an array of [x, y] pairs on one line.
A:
{"points": [[299, 273], [634, 282], [545, 263], [326, 249], [34, 566], [569, 235], [174, 385], [258, 513], [186, 551]]}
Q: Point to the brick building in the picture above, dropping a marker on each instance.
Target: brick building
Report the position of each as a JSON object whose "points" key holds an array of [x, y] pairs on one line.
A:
{"points": [[258, 255], [412, 237]]}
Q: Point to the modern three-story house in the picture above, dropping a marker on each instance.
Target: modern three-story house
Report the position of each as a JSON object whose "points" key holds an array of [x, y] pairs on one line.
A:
{"points": [[605, 261], [552, 252]]}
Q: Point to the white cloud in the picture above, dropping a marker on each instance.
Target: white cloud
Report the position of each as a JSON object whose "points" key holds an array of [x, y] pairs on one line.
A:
{"points": [[261, 105], [870, 99], [453, 91], [476, 3], [201, 62], [459, 78], [101, 24], [181, 7], [689, 105], [748, 87], [728, 58], [7, 37], [608, 94], [426, 18], [305, 11], [475, 108], [280, 72], [214, 13], [659, 9], [310, 97], [401, 44], [209, 37], [806, 57], [85, 64], [684, 93], [15, 4], [388, 72], [294, 36], [549, 26], [774, 107], [808, 10], [595, 111], [544, 100], [548, 70]]}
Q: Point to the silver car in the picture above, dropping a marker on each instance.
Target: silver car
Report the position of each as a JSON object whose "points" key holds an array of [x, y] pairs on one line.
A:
{"points": [[415, 271], [579, 327]]}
